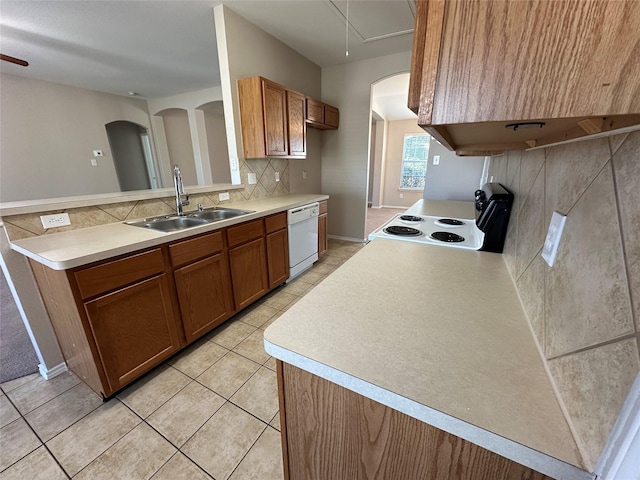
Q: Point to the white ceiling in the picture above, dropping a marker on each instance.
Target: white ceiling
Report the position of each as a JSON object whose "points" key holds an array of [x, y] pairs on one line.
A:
{"points": [[162, 48]]}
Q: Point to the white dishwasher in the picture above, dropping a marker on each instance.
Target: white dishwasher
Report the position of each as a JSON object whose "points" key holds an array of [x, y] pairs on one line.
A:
{"points": [[303, 238]]}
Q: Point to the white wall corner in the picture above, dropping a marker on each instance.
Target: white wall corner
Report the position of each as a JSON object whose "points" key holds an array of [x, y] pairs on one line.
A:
{"points": [[49, 373], [620, 459]]}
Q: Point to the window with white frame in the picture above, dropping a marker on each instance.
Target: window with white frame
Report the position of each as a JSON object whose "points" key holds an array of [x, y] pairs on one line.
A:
{"points": [[415, 154]]}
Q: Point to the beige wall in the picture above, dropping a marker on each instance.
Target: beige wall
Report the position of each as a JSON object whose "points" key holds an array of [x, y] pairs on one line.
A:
{"points": [[393, 163], [582, 308], [345, 152], [244, 50], [217, 144], [48, 133], [180, 149]]}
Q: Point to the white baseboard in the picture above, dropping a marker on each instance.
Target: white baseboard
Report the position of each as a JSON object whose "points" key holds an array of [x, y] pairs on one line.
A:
{"points": [[347, 239], [48, 374]]}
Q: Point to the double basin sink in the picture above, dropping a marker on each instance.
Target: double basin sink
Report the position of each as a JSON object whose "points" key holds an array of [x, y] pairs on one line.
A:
{"points": [[171, 223]]}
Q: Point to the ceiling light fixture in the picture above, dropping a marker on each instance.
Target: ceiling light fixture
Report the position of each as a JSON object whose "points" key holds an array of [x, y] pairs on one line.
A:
{"points": [[346, 54]]}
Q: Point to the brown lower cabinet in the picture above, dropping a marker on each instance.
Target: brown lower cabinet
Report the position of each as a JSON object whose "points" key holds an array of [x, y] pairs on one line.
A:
{"points": [[329, 432], [117, 319]]}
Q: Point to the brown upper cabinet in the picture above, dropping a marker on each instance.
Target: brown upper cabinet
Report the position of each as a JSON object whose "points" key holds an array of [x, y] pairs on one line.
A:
{"points": [[479, 67], [322, 116], [272, 118]]}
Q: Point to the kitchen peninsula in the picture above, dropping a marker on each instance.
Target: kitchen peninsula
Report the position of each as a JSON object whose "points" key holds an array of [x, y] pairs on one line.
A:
{"points": [[122, 299], [417, 361]]}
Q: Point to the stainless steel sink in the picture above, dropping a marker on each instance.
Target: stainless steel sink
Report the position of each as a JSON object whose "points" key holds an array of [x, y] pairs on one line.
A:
{"points": [[171, 223], [168, 223], [217, 214]]}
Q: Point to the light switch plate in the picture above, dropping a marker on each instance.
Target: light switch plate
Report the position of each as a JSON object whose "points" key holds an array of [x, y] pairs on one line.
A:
{"points": [[94, 162], [55, 220], [436, 159], [251, 178], [277, 176], [223, 196], [550, 249]]}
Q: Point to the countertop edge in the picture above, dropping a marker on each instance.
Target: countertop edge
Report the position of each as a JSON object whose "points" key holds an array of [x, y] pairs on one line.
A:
{"points": [[148, 238], [495, 443]]}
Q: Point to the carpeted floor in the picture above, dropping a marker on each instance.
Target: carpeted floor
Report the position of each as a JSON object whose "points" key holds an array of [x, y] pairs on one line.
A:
{"points": [[17, 356], [376, 217]]}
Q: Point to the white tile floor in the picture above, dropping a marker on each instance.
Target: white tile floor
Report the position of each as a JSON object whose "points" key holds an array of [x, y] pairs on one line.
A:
{"points": [[209, 412]]}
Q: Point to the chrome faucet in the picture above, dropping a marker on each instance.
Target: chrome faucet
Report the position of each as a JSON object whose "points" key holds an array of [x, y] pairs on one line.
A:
{"points": [[177, 182]]}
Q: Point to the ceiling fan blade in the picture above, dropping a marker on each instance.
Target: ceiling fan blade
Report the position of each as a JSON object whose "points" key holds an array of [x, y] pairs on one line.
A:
{"points": [[15, 60]]}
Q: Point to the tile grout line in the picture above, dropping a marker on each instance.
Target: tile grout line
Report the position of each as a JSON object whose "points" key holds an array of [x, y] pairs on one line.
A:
{"points": [[42, 444], [611, 341], [634, 313]]}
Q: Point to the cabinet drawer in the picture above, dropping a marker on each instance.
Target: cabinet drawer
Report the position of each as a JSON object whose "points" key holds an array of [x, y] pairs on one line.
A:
{"points": [[323, 207], [195, 248], [119, 273], [245, 232], [276, 222]]}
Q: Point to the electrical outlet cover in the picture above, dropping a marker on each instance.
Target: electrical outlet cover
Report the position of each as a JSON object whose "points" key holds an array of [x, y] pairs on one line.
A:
{"points": [[550, 249], [223, 196], [55, 220], [251, 178]]}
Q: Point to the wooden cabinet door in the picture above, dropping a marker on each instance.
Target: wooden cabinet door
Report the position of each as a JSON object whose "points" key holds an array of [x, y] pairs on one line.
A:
{"points": [[275, 119], [278, 257], [248, 272], [204, 293], [134, 329], [296, 123], [322, 235]]}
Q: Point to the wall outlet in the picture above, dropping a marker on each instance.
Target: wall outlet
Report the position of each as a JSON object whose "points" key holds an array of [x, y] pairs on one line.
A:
{"points": [[277, 176], [56, 220], [251, 178], [304, 174], [550, 249], [94, 162], [436, 159], [97, 153], [223, 196], [402, 195], [234, 164]]}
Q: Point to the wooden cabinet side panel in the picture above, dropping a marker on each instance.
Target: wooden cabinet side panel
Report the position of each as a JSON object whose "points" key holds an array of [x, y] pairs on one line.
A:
{"points": [[275, 118], [296, 122], [79, 353], [322, 235], [248, 272], [252, 117], [134, 329], [332, 432], [278, 257], [204, 294], [429, 20], [536, 59]]}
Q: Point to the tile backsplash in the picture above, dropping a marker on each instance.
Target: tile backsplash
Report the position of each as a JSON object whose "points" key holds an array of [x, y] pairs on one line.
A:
{"points": [[584, 310], [29, 225]]}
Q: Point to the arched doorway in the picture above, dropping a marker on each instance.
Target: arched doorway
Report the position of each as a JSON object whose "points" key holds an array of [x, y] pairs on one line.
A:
{"points": [[132, 156]]}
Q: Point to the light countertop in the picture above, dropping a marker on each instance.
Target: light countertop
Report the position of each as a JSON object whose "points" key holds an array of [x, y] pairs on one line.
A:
{"points": [[61, 251], [439, 334]]}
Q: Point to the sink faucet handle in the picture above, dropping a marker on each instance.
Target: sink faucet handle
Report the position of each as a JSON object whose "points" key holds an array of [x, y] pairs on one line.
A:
{"points": [[200, 207], [186, 200]]}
